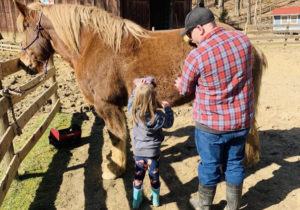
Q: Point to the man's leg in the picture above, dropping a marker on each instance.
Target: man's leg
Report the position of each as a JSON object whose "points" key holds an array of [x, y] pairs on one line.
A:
{"points": [[209, 147], [235, 170]]}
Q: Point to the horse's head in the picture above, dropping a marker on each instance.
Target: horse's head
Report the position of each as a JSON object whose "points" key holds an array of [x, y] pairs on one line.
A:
{"points": [[36, 45]]}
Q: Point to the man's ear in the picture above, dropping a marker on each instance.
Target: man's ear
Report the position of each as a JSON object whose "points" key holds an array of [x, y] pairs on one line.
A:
{"points": [[24, 11], [202, 30]]}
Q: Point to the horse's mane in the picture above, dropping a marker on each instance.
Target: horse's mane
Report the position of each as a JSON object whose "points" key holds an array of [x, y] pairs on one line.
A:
{"points": [[67, 20]]}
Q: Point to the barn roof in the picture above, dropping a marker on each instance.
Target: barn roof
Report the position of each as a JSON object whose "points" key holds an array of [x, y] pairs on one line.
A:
{"points": [[286, 11]]}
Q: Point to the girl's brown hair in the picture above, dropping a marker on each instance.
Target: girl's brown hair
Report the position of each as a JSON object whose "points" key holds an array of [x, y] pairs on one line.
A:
{"points": [[144, 103]]}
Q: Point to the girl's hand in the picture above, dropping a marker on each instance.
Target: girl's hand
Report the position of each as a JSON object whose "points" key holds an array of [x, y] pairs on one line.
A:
{"points": [[165, 104], [143, 80], [138, 81]]}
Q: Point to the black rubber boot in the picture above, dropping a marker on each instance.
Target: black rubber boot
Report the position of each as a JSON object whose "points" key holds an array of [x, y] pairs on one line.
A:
{"points": [[206, 197], [233, 196]]}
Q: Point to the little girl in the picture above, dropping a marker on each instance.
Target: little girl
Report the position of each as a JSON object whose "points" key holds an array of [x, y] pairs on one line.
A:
{"points": [[148, 122]]}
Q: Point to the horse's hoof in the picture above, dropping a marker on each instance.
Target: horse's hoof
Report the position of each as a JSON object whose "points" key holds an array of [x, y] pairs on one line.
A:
{"points": [[109, 176]]}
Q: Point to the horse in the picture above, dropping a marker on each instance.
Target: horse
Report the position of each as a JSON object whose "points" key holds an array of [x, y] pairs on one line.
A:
{"points": [[107, 52]]}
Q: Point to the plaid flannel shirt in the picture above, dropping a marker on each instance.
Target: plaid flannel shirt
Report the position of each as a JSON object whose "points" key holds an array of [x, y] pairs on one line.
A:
{"points": [[219, 72]]}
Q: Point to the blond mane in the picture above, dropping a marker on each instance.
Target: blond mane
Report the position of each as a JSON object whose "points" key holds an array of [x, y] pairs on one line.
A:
{"points": [[67, 20]]}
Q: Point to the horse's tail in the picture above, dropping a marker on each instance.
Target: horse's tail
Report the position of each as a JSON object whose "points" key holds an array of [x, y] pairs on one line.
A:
{"points": [[259, 64], [252, 150]]}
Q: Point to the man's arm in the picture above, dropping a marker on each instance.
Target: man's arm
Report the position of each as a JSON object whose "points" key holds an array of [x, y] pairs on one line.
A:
{"points": [[187, 81]]}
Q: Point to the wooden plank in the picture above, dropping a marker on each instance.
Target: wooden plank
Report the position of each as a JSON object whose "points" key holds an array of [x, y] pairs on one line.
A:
{"points": [[8, 177], [34, 81], [6, 141], [271, 31], [272, 25], [27, 115], [4, 123], [259, 42], [38, 133], [4, 106], [4, 103], [16, 47], [9, 135], [274, 37], [9, 67]]}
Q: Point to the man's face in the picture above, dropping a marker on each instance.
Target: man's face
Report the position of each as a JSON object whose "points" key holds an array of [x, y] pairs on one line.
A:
{"points": [[196, 34]]}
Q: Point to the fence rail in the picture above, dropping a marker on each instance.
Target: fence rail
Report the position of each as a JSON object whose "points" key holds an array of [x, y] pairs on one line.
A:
{"points": [[288, 34], [9, 131], [10, 46]]}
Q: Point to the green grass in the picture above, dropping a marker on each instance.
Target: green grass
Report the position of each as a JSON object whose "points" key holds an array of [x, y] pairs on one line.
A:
{"points": [[22, 191]]}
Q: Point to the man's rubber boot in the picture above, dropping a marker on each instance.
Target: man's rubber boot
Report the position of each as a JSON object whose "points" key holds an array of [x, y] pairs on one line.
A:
{"points": [[155, 197], [233, 196], [206, 197], [137, 198]]}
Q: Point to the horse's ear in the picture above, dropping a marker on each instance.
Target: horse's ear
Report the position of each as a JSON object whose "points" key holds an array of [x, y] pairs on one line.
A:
{"points": [[24, 11]]}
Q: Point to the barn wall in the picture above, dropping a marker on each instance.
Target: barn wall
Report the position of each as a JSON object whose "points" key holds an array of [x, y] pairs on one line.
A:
{"points": [[142, 12]]}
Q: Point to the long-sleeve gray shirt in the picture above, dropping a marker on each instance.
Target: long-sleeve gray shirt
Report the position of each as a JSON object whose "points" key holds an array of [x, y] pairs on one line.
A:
{"points": [[147, 137]]}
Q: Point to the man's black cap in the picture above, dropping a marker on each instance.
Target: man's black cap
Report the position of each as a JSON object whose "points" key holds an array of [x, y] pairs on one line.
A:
{"points": [[198, 16]]}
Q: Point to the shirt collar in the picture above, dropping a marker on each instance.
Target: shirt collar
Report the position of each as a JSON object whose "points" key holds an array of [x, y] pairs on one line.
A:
{"points": [[214, 31]]}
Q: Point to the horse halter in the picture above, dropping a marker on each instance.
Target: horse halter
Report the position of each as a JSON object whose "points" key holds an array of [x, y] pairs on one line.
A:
{"points": [[38, 29]]}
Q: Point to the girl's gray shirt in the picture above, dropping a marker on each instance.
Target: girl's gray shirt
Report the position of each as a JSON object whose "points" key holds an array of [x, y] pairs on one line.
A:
{"points": [[147, 137]]}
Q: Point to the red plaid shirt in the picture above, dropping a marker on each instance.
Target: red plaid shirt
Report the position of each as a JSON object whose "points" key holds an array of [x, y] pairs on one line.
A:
{"points": [[219, 71]]}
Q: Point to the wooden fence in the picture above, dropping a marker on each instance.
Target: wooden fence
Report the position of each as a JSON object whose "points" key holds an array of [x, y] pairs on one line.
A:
{"points": [[10, 47], [267, 34], [8, 131]]}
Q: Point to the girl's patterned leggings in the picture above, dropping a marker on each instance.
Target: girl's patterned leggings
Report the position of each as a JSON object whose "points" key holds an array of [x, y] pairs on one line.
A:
{"points": [[141, 165]]}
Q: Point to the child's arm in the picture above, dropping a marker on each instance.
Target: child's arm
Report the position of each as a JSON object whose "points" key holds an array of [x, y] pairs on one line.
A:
{"points": [[163, 119], [169, 115], [130, 101]]}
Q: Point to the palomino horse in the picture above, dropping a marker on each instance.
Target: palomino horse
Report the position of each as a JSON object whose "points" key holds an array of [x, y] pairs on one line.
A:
{"points": [[107, 53]]}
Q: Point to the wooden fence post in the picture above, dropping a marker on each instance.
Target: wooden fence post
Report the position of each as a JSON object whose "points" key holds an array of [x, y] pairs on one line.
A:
{"points": [[3, 126], [54, 98]]}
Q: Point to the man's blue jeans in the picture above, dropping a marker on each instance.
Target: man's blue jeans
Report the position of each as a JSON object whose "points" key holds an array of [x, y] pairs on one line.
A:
{"points": [[221, 150]]}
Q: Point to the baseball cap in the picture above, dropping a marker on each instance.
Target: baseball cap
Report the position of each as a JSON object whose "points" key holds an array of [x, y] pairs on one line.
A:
{"points": [[198, 16]]}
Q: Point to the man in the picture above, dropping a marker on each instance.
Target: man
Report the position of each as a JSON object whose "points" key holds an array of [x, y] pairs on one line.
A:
{"points": [[219, 73]]}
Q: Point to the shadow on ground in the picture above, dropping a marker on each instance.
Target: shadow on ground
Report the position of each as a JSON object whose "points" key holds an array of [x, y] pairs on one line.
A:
{"points": [[277, 146]]}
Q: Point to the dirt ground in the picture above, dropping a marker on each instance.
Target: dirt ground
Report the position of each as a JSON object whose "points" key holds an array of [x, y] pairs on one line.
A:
{"points": [[272, 184]]}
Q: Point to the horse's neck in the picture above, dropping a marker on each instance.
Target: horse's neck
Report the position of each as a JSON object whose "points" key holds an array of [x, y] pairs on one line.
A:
{"points": [[60, 48], [70, 55]]}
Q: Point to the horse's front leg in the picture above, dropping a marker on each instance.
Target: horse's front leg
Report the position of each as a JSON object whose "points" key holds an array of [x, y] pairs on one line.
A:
{"points": [[114, 118]]}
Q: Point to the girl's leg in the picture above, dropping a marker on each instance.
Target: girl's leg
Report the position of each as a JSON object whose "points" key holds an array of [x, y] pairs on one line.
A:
{"points": [[140, 170], [138, 181], [153, 171]]}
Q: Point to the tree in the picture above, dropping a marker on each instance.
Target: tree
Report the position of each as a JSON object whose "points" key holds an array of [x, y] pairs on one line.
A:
{"points": [[241, 3], [221, 10], [237, 7], [248, 11], [255, 12]]}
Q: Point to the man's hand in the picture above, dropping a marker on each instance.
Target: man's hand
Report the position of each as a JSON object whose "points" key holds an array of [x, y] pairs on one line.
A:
{"points": [[177, 82], [165, 104]]}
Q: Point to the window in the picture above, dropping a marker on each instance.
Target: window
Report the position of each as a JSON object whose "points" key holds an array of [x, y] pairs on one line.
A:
{"points": [[294, 19], [284, 19]]}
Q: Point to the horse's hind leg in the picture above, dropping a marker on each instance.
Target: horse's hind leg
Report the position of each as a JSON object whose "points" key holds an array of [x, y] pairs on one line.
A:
{"points": [[114, 118]]}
